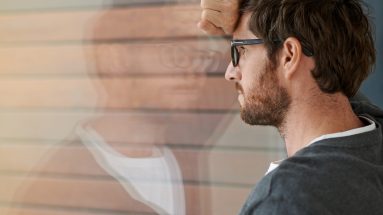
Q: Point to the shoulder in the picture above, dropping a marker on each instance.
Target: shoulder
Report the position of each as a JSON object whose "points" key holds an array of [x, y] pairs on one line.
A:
{"points": [[305, 175], [322, 170], [316, 183], [290, 187]]}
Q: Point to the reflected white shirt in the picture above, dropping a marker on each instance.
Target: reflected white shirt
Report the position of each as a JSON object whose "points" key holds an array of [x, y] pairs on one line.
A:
{"points": [[155, 181]]}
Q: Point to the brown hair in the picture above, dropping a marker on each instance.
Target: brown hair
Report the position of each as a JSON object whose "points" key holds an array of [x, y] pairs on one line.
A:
{"points": [[336, 32]]}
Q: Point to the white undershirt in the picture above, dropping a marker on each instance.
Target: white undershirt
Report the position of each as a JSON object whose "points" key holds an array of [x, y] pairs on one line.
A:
{"points": [[370, 127], [154, 181]]}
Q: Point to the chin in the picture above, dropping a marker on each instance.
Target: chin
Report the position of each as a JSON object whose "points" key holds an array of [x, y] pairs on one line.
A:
{"points": [[262, 116]]}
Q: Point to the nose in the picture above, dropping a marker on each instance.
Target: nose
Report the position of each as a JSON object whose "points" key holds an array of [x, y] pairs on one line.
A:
{"points": [[232, 73]]}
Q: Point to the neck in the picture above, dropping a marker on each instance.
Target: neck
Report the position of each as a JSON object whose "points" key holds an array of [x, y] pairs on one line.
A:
{"points": [[310, 118], [133, 137]]}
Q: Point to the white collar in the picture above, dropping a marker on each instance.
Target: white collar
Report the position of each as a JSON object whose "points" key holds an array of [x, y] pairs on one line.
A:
{"points": [[367, 128], [351, 132]]}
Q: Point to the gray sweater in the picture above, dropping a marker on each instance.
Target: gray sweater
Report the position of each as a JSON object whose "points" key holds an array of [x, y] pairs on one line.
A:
{"points": [[332, 176]]}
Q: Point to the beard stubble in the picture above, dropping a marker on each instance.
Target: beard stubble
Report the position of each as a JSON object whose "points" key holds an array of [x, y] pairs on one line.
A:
{"points": [[267, 102]]}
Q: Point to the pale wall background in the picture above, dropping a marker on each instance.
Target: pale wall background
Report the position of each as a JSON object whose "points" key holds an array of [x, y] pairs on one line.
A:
{"points": [[142, 75]]}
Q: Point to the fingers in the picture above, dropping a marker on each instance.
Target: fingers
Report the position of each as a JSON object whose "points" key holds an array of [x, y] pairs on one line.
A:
{"points": [[219, 16], [213, 16], [230, 22], [210, 28]]}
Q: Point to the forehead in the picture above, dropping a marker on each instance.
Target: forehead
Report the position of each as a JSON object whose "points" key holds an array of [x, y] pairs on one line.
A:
{"points": [[242, 31]]}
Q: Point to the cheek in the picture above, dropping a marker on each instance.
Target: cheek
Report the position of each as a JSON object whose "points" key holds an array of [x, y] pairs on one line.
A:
{"points": [[250, 86], [252, 70], [251, 78]]}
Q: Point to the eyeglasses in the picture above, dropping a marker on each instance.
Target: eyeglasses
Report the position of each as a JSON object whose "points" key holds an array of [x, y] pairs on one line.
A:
{"points": [[235, 53]]}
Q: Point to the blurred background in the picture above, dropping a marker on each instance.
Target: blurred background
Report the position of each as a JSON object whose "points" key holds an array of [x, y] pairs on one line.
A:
{"points": [[373, 86], [120, 107]]}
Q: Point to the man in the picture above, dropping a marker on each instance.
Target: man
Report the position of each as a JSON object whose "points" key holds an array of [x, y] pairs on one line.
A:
{"points": [[295, 65]]}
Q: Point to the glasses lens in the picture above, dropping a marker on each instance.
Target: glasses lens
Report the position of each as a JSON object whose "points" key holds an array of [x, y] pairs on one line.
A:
{"points": [[234, 55]]}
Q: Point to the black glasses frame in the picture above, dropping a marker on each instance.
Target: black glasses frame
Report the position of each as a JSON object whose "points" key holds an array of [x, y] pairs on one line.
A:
{"points": [[234, 51]]}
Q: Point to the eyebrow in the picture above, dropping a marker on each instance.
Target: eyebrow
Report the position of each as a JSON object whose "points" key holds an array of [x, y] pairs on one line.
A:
{"points": [[237, 38], [240, 37]]}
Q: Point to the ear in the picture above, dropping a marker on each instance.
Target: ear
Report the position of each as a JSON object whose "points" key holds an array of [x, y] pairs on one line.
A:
{"points": [[290, 57]]}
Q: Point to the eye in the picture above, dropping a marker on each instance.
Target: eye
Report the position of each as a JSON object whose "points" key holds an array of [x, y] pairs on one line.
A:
{"points": [[242, 50]]}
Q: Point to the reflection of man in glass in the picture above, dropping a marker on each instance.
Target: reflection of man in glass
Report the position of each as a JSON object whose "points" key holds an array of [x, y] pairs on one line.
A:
{"points": [[146, 168], [150, 95], [295, 65]]}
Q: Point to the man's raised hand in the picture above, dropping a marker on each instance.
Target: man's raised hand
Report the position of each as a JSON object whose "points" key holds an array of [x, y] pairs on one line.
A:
{"points": [[219, 17]]}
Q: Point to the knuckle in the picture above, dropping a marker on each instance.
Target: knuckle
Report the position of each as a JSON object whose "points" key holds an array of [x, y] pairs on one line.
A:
{"points": [[204, 15]]}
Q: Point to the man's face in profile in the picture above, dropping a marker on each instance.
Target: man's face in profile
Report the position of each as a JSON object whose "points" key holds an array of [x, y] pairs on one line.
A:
{"points": [[263, 100]]}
